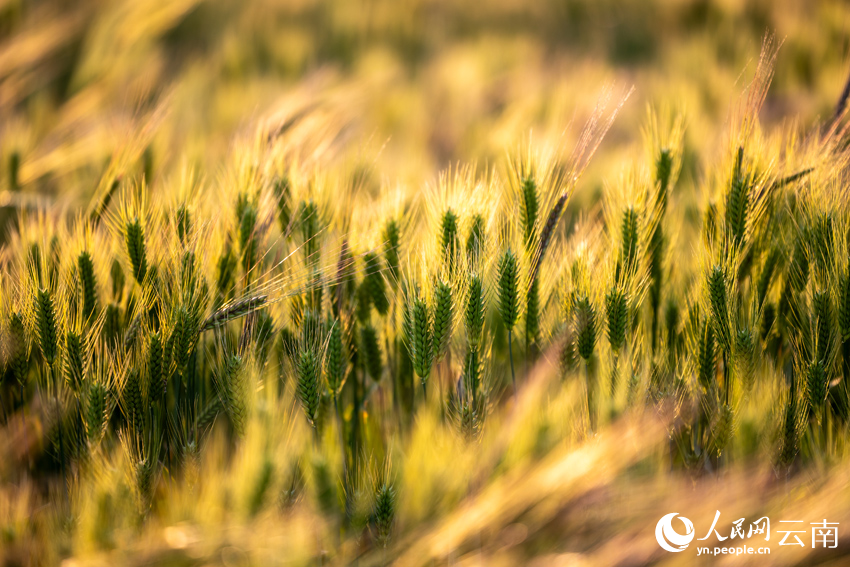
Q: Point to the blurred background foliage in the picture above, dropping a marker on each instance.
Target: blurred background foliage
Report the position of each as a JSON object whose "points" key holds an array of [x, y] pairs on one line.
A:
{"points": [[427, 83]]}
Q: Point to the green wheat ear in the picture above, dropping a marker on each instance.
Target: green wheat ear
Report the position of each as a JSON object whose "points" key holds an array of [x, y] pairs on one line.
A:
{"points": [[75, 354], [816, 386], [392, 243], [104, 202], [132, 332], [508, 284], [508, 289], [671, 321], [233, 390], [309, 223], [475, 240], [209, 413], [288, 342], [314, 306], [723, 428], [707, 356], [656, 261], [88, 283], [616, 310], [262, 334], [823, 241], [629, 237], [178, 341], [472, 372], [54, 257], [241, 204], [420, 338], [532, 313], [18, 359], [443, 313], [799, 269], [449, 237], [370, 349], [719, 306], [46, 326], [790, 428], [95, 412], [335, 359], [546, 233], [374, 284], [34, 261], [844, 304], [745, 355], [282, 189], [343, 287], [822, 319], [188, 274], [737, 202], [384, 512], [709, 223], [585, 321], [247, 239], [111, 329], [134, 401], [529, 209], [135, 239], [471, 418], [183, 220], [233, 311], [363, 301], [308, 382], [474, 312], [292, 486], [116, 275], [143, 473], [225, 270], [663, 170]]}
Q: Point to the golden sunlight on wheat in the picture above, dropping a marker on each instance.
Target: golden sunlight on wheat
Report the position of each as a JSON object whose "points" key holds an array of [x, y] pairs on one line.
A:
{"points": [[424, 282]]}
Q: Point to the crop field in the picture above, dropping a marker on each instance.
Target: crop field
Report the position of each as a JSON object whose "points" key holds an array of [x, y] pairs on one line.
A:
{"points": [[424, 283]]}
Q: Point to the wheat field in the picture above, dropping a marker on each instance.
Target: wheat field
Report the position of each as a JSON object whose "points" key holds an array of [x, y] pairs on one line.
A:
{"points": [[423, 282]]}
